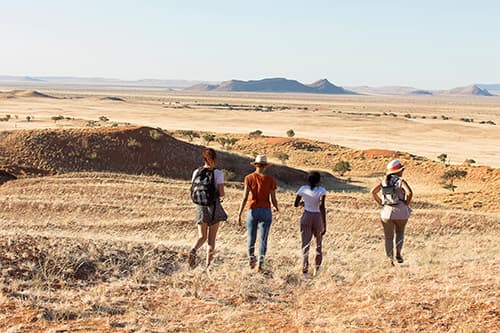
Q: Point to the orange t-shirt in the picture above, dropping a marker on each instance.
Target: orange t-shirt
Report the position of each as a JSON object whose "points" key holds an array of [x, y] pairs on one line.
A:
{"points": [[260, 187]]}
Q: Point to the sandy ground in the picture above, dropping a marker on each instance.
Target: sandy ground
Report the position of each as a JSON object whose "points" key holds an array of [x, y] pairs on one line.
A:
{"points": [[361, 122]]}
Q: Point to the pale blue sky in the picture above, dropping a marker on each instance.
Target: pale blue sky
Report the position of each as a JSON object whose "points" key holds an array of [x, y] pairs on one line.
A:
{"points": [[426, 44]]}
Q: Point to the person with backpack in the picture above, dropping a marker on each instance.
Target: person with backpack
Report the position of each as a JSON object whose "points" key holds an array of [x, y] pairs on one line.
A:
{"points": [[207, 192], [260, 189], [395, 201], [313, 220]]}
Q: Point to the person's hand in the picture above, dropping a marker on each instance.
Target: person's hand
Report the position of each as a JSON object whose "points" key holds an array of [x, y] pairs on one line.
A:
{"points": [[239, 221], [301, 204]]}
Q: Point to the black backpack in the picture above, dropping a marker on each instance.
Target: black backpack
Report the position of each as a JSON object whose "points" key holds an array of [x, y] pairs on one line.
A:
{"points": [[203, 191]]}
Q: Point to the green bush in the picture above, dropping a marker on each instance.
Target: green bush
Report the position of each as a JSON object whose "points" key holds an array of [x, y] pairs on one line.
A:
{"points": [[342, 167]]}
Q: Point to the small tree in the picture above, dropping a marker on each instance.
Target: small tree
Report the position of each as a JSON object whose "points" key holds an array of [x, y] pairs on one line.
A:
{"points": [[28, 118], [56, 118], [469, 162], [443, 157], [256, 134], [450, 176], [290, 133], [342, 167], [283, 157], [190, 134], [208, 138]]}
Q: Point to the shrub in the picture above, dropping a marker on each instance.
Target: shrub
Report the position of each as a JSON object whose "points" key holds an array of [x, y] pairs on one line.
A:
{"points": [[208, 138], [444, 117], [443, 157], [342, 167], [28, 118], [190, 134], [155, 134], [283, 157], [256, 134], [469, 161], [450, 176], [290, 133], [227, 143], [228, 174], [103, 118], [133, 143]]}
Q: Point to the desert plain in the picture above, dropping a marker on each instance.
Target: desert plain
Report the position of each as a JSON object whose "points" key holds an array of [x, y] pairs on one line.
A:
{"points": [[95, 230]]}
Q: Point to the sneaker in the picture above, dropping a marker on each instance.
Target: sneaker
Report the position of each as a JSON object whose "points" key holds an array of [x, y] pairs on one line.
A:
{"points": [[193, 259], [316, 271], [260, 268], [391, 261], [399, 259], [305, 275]]}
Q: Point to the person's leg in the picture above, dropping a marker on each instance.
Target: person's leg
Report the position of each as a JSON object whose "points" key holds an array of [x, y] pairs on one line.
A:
{"points": [[212, 233], [265, 220], [389, 237], [202, 237], [317, 230], [306, 236], [400, 236], [251, 237]]}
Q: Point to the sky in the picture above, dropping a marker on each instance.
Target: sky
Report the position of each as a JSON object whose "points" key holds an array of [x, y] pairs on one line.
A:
{"points": [[424, 44]]}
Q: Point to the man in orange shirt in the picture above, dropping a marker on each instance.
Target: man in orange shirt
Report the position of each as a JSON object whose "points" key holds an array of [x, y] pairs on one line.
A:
{"points": [[262, 188]]}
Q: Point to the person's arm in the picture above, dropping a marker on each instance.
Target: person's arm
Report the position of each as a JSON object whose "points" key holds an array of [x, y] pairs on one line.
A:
{"points": [[219, 180], [243, 203], [220, 190], [408, 191], [322, 209], [274, 200], [374, 193], [297, 202]]}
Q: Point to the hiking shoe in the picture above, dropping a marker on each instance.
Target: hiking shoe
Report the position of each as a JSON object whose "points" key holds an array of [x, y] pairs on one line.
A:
{"points": [[399, 259], [193, 259], [260, 268], [252, 263]]}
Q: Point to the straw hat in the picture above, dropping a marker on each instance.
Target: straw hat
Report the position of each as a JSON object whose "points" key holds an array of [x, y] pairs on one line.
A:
{"points": [[394, 166], [260, 160]]}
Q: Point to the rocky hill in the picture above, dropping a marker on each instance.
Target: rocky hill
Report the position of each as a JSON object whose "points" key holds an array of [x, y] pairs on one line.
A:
{"points": [[274, 85], [472, 90]]}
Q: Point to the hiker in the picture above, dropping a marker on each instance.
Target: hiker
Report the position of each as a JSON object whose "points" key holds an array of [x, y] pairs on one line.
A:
{"points": [[395, 201], [262, 187], [207, 191], [313, 220]]}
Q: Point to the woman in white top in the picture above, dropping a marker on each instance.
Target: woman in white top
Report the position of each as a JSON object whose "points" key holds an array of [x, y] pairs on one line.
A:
{"points": [[313, 221], [208, 217]]}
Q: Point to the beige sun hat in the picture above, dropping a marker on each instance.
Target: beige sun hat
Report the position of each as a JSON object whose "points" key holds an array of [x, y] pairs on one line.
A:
{"points": [[260, 160], [393, 167]]}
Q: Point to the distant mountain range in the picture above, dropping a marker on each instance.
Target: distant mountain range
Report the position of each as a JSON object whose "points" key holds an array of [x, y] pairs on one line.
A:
{"points": [[472, 90], [97, 81], [274, 85]]}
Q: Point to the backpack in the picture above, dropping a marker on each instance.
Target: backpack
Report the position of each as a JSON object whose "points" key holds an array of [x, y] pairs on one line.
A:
{"points": [[203, 191], [390, 191]]}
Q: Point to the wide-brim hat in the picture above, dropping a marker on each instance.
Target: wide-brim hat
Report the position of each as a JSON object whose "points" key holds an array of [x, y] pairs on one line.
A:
{"points": [[260, 160], [394, 166]]}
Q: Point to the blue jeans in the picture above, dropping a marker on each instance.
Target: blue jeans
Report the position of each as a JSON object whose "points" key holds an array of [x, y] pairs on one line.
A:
{"points": [[258, 218]]}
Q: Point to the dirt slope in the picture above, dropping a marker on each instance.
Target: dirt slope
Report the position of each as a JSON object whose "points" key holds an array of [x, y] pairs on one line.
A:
{"points": [[132, 150]]}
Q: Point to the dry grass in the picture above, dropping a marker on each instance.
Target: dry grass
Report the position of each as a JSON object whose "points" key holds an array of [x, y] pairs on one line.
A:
{"points": [[106, 252]]}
